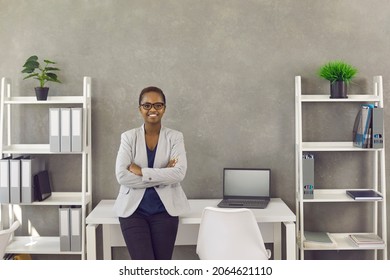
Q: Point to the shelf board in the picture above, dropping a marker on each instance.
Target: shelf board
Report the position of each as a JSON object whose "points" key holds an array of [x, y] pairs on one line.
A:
{"points": [[343, 242], [32, 149], [351, 98], [50, 100], [37, 245], [333, 195], [333, 147], [62, 198]]}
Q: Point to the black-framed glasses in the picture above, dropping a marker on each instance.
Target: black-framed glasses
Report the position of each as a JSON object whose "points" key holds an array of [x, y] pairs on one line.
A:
{"points": [[157, 106]]}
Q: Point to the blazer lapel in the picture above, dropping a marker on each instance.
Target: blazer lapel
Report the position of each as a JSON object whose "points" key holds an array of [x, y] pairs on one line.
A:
{"points": [[142, 157], [161, 158]]}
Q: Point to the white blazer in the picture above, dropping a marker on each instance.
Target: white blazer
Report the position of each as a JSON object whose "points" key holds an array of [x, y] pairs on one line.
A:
{"points": [[132, 187]]}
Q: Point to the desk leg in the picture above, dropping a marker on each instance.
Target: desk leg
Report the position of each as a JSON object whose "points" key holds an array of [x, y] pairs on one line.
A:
{"points": [[91, 241], [277, 241], [107, 242], [290, 241]]}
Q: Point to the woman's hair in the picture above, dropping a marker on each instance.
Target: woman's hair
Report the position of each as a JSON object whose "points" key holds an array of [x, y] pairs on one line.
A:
{"points": [[149, 89]]}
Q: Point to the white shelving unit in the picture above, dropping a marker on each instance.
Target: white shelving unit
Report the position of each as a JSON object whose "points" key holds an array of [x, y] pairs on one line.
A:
{"points": [[82, 198], [342, 240]]}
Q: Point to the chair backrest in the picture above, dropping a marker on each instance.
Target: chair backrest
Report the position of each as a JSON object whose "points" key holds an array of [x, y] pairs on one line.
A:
{"points": [[5, 237], [230, 234]]}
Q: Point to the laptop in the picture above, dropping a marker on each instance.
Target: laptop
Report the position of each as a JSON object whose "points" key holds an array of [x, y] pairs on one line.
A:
{"points": [[246, 188]]}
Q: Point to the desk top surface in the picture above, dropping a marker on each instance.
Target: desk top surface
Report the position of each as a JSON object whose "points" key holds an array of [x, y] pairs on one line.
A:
{"points": [[276, 211]]}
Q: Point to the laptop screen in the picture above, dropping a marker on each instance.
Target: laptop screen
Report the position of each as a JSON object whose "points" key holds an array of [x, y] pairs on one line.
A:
{"points": [[239, 182]]}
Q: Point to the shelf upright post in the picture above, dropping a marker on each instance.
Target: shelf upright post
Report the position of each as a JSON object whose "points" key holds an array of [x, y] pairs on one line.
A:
{"points": [[379, 166], [378, 90], [88, 133], [3, 89], [5, 93], [298, 165], [86, 158]]}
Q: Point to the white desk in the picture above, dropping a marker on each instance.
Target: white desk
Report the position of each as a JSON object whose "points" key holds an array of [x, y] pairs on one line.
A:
{"points": [[270, 220]]}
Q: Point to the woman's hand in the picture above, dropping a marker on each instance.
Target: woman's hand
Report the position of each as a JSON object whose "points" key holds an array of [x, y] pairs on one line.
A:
{"points": [[172, 162], [135, 169]]}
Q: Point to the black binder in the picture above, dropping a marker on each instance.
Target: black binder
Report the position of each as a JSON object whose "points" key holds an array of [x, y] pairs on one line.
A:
{"points": [[42, 185]]}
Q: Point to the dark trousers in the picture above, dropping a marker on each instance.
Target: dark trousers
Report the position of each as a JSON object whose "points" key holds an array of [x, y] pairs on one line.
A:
{"points": [[150, 237]]}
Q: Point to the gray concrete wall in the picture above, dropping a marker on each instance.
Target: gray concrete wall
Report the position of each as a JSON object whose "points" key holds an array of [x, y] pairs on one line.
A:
{"points": [[227, 68]]}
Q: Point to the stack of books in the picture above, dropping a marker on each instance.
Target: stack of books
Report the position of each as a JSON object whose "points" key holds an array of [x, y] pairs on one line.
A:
{"points": [[367, 240]]}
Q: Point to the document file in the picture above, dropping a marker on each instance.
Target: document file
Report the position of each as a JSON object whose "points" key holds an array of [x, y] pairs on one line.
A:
{"points": [[377, 128], [54, 127], [361, 130], [15, 179], [42, 187], [30, 166], [75, 228], [64, 217], [65, 130], [77, 131], [4, 180], [368, 127], [308, 175]]}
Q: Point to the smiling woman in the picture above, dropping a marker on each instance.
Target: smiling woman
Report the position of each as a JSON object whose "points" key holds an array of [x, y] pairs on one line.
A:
{"points": [[150, 165]]}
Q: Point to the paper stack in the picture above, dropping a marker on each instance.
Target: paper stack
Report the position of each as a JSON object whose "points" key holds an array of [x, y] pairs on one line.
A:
{"points": [[367, 240]]}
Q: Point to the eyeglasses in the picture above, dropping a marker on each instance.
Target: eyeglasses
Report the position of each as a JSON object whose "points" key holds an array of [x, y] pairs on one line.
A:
{"points": [[157, 106]]}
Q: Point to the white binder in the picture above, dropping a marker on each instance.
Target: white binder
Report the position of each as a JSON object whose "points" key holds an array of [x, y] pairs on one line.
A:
{"points": [[77, 129], [30, 166], [64, 221], [15, 180], [75, 229], [55, 130], [377, 128], [65, 131], [4, 180]]}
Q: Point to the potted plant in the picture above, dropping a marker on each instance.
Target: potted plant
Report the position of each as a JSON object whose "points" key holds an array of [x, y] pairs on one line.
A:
{"points": [[43, 74], [340, 75]]}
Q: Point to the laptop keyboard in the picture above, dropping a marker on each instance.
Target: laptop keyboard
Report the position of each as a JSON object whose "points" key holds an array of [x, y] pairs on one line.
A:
{"points": [[245, 203]]}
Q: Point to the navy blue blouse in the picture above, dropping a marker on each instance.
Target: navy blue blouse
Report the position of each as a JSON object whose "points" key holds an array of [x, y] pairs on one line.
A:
{"points": [[151, 202]]}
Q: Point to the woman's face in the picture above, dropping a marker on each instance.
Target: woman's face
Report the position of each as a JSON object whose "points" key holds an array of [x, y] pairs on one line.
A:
{"points": [[152, 107]]}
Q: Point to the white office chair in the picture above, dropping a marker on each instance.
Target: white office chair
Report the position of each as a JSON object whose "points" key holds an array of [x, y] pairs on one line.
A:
{"points": [[230, 234], [5, 237]]}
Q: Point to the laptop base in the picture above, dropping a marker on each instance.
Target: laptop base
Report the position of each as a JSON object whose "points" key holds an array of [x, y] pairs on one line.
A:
{"points": [[236, 203]]}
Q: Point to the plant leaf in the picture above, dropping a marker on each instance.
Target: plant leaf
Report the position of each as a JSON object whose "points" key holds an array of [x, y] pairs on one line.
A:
{"points": [[337, 71], [49, 62], [32, 75], [31, 64], [32, 58], [51, 69], [52, 77], [28, 70]]}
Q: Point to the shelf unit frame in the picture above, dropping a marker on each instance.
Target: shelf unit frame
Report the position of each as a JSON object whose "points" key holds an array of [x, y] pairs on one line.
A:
{"points": [[339, 195], [83, 198]]}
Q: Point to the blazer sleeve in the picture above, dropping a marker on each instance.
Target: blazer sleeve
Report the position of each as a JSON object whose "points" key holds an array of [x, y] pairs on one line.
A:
{"points": [[171, 175], [123, 160]]}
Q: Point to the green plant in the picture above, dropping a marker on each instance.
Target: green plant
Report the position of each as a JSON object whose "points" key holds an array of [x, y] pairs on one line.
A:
{"points": [[44, 73], [337, 71]]}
